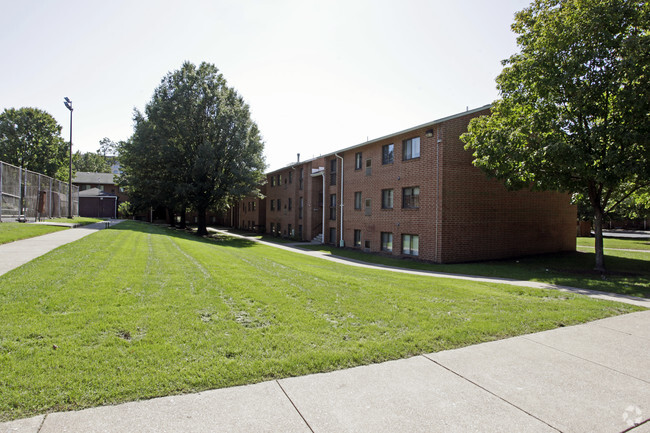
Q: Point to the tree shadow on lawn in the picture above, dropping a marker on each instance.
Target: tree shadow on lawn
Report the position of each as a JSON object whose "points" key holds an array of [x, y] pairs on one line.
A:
{"points": [[627, 276], [212, 239]]}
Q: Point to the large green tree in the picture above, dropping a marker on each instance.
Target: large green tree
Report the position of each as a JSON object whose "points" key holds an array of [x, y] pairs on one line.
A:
{"points": [[90, 161], [195, 145], [574, 109], [31, 138]]}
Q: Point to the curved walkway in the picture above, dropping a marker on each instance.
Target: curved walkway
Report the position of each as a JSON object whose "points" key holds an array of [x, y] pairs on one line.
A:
{"points": [[295, 247]]}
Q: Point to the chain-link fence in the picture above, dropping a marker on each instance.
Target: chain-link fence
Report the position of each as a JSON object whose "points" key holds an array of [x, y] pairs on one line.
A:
{"points": [[29, 195]]}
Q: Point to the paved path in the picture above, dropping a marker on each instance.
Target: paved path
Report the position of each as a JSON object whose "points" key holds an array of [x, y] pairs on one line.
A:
{"points": [[633, 234], [296, 247], [586, 378], [15, 254]]}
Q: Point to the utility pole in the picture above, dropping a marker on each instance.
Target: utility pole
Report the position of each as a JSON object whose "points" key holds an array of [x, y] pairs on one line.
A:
{"points": [[68, 105]]}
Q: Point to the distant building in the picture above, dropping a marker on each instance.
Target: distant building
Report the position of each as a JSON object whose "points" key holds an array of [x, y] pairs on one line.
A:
{"points": [[99, 196], [103, 181], [116, 168], [95, 203]]}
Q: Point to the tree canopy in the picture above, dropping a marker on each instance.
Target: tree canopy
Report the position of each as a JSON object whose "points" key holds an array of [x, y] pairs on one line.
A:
{"points": [[573, 113], [195, 146], [31, 138], [90, 161]]}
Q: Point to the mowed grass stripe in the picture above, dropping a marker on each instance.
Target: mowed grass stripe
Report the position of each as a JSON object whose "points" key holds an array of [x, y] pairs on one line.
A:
{"points": [[139, 311]]}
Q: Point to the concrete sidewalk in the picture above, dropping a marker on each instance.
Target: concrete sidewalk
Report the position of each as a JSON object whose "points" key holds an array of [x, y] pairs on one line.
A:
{"points": [[587, 378], [17, 253]]}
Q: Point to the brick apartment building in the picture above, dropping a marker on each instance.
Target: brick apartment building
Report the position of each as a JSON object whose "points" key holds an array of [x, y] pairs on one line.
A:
{"points": [[250, 213], [414, 193]]}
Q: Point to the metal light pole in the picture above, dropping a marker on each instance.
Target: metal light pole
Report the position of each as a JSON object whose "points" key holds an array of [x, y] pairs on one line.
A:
{"points": [[68, 104]]}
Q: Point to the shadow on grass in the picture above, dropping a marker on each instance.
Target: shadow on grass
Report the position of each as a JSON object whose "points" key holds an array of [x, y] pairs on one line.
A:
{"points": [[262, 237], [626, 276], [212, 239]]}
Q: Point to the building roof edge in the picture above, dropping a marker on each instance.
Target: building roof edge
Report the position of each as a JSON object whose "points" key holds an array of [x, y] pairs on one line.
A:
{"points": [[374, 140]]}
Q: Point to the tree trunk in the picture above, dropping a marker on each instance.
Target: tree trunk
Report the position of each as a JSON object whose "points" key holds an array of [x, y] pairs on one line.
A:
{"points": [[202, 228], [171, 217], [598, 233], [181, 224]]}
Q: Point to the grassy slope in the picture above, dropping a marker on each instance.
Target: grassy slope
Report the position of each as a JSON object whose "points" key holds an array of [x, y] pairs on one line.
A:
{"points": [[10, 232], [169, 313], [629, 272]]}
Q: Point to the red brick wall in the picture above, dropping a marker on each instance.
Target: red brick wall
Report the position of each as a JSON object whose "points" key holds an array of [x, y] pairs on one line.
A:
{"points": [[481, 220], [462, 215], [417, 172]]}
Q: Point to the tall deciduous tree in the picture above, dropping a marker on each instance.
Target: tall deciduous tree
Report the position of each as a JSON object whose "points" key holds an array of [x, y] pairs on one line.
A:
{"points": [[196, 143], [90, 161], [31, 138], [573, 114]]}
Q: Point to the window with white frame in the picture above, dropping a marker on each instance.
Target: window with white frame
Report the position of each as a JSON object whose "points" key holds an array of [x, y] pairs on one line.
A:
{"points": [[358, 161], [411, 148], [411, 245], [411, 197]]}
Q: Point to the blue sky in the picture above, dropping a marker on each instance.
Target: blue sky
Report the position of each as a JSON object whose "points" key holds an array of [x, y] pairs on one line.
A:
{"points": [[318, 75]]}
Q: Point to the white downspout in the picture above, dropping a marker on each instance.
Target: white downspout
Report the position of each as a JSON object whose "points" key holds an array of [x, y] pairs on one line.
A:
{"points": [[438, 140], [342, 242], [322, 227]]}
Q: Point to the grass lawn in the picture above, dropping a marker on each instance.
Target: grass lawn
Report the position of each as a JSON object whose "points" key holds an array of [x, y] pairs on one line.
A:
{"points": [[10, 232], [628, 271], [632, 244], [170, 313], [77, 220]]}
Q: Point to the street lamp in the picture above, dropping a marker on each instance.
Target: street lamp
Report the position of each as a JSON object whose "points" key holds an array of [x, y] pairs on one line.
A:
{"points": [[68, 105]]}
